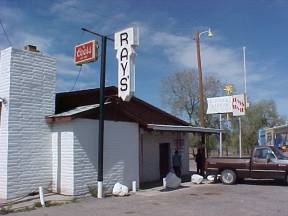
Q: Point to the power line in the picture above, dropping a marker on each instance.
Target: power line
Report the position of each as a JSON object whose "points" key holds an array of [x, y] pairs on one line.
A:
{"points": [[80, 69], [76, 80], [5, 33]]}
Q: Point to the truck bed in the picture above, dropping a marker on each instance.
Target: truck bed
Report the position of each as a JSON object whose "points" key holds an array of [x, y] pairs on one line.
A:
{"points": [[220, 163]]}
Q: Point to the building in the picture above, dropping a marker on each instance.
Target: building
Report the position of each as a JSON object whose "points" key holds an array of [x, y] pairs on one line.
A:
{"points": [[51, 140], [27, 85]]}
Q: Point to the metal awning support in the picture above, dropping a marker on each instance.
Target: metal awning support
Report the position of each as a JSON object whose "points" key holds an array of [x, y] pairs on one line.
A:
{"points": [[187, 129]]}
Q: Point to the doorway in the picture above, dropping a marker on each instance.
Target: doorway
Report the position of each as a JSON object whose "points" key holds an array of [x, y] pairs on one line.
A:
{"points": [[164, 159]]}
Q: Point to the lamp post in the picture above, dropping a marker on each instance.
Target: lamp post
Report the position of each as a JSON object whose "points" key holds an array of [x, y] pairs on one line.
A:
{"points": [[201, 87]]}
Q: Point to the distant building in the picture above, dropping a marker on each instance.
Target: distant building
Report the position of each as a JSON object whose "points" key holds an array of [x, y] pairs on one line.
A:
{"points": [[52, 141]]}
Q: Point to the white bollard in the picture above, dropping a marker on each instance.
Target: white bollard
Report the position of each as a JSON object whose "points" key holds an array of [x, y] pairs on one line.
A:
{"points": [[164, 182], [41, 195], [100, 190], [134, 186]]}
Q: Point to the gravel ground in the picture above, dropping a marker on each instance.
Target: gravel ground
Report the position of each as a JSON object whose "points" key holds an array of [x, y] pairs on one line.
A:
{"points": [[249, 198]]}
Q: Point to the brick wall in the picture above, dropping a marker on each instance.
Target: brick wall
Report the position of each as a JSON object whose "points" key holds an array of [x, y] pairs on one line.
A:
{"points": [[31, 97]]}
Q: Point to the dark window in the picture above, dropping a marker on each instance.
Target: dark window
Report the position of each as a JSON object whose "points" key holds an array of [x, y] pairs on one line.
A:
{"points": [[261, 153]]}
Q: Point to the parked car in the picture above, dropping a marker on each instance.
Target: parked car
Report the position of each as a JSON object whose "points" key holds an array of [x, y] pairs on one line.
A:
{"points": [[266, 162]]}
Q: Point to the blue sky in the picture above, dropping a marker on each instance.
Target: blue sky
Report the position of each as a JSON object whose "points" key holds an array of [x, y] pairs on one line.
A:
{"points": [[166, 40]]}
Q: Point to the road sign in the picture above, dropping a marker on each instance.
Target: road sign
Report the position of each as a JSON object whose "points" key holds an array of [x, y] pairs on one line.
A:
{"points": [[228, 104], [125, 43], [238, 104], [219, 105], [86, 52]]}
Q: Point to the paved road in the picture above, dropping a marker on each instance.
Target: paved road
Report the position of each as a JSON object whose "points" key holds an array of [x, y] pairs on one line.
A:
{"points": [[249, 199]]}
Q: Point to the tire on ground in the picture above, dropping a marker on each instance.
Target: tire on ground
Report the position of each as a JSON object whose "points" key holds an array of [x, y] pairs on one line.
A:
{"points": [[228, 177]]}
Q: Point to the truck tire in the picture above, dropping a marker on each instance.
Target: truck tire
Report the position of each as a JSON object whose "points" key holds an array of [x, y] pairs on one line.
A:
{"points": [[228, 177]]}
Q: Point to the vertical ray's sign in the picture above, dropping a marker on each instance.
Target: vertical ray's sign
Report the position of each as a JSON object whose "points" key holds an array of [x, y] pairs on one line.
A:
{"points": [[125, 43]]}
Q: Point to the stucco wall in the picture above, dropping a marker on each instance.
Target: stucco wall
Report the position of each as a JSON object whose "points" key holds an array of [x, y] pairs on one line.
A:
{"points": [[150, 146], [121, 154], [31, 89]]}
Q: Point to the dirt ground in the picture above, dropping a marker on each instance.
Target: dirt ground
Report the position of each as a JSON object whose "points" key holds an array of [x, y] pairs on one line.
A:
{"points": [[250, 198]]}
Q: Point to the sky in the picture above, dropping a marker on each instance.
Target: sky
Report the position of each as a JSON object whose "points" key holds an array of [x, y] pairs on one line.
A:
{"points": [[167, 29]]}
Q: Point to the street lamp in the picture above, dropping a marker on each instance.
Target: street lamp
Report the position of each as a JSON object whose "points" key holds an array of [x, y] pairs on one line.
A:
{"points": [[201, 88]]}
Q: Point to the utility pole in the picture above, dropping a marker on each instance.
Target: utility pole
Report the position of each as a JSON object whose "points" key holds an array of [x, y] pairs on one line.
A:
{"points": [[200, 81], [101, 112], [201, 88]]}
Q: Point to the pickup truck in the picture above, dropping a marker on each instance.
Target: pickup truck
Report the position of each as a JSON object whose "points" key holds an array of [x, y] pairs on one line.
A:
{"points": [[266, 162]]}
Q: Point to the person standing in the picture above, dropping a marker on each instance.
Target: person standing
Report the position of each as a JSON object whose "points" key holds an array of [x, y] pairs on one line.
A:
{"points": [[199, 161], [177, 163]]}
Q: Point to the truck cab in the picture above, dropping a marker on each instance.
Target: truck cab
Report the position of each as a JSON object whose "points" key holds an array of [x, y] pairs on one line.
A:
{"points": [[268, 162]]}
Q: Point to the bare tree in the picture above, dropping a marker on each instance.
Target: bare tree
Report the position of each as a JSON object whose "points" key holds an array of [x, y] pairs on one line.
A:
{"points": [[180, 92]]}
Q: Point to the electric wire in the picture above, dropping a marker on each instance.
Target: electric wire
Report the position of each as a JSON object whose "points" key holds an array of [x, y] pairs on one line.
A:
{"points": [[80, 69], [5, 33], [77, 78]]}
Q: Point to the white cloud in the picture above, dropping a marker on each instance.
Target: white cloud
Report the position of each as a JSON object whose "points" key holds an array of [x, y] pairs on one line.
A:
{"points": [[67, 73], [66, 66], [43, 43], [225, 62], [180, 50]]}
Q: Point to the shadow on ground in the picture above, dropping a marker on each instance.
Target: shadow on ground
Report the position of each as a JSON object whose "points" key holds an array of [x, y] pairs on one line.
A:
{"points": [[262, 182], [173, 189]]}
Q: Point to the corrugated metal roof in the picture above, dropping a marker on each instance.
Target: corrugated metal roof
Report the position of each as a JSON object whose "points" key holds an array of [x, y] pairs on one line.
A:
{"points": [[76, 110], [158, 127]]}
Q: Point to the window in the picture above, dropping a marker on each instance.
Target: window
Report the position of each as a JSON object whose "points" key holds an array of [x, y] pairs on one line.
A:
{"points": [[261, 153]]}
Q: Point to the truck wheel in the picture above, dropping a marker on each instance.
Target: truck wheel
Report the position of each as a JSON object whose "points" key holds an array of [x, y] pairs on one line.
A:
{"points": [[228, 177]]}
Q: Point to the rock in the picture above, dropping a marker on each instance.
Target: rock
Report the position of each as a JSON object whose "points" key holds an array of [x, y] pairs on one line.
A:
{"points": [[124, 191], [172, 181], [211, 178], [120, 190], [196, 179], [117, 189]]}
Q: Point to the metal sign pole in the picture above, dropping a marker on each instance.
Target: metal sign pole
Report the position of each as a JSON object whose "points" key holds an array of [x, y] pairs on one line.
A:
{"points": [[220, 147], [101, 117], [101, 110], [240, 138]]}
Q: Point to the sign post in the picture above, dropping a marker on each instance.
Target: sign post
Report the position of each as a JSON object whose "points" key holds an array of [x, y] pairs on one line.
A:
{"points": [[83, 52], [228, 104], [125, 43]]}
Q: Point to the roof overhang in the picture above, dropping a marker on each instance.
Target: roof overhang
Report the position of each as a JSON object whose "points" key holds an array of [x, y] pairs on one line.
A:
{"points": [[70, 114], [179, 128]]}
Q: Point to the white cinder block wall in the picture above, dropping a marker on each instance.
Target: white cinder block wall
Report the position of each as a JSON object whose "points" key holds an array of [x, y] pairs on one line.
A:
{"points": [[150, 146], [29, 85], [5, 62], [63, 158], [121, 155]]}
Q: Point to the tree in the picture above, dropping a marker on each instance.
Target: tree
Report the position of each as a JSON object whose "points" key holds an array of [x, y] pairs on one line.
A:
{"points": [[180, 92], [259, 115]]}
